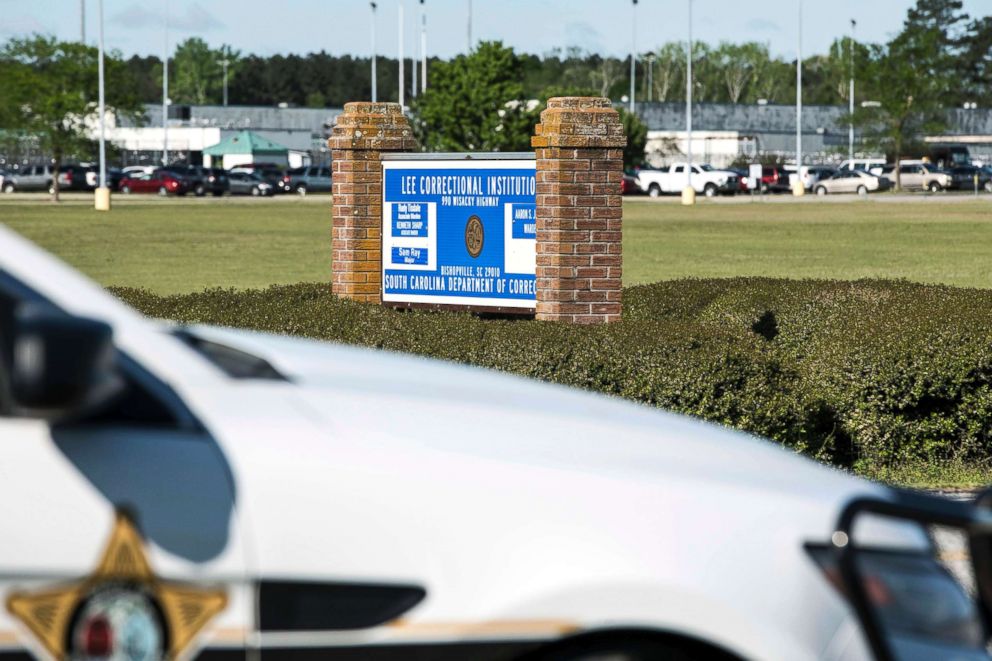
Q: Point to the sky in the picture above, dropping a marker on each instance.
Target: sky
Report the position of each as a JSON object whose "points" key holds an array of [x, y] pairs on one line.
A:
{"points": [[267, 27]]}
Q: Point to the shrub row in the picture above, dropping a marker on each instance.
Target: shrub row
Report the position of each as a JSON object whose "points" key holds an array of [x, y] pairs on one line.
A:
{"points": [[864, 374]]}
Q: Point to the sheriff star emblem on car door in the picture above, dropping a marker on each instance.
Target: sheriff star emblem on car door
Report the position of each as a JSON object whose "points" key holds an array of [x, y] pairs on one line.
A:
{"points": [[121, 611]]}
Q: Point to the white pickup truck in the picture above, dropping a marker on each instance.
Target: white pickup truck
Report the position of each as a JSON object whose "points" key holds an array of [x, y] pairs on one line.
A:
{"points": [[705, 180]]}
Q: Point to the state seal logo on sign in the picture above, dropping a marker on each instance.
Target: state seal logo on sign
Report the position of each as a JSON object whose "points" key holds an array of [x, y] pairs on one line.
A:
{"points": [[474, 236]]}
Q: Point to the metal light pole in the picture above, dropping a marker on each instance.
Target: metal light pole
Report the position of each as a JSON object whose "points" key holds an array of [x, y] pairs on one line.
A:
{"points": [[469, 27], [798, 189], [688, 193], [414, 67], [165, 90], [688, 104], [225, 63], [850, 137], [400, 46], [650, 59], [374, 92], [102, 195], [423, 47], [82, 21], [633, 53]]}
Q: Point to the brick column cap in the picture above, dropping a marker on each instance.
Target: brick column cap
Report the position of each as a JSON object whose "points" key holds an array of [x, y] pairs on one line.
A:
{"points": [[366, 126], [579, 122]]}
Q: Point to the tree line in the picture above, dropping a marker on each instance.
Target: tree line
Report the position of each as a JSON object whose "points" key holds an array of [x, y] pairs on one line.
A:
{"points": [[484, 100], [722, 73]]}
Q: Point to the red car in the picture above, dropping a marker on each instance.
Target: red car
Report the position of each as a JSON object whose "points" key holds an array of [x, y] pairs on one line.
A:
{"points": [[775, 179], [161, 182], [628, 185]]}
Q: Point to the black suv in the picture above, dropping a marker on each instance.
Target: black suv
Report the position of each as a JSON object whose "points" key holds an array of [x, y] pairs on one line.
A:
{"points": [[201, 180], [963, 178], [77, 177]]}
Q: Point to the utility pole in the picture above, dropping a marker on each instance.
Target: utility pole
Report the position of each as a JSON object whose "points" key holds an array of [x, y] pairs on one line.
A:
{"points": [[400, 47], [799, 189], [165, 90], [633, 54], [423, 47], [413, 65], [688, 193], [850, 137], [650, 58], [82, 22], [102, 194], [225, 63], [469, 51], [374, 92]]}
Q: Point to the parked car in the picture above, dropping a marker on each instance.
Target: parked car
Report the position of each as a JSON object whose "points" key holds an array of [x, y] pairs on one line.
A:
{"points": [[313, 179], [849, 181], [205, 180], [29, 178], [114, 177], [248, 183], [162, 182], [273, 176], [870, 165], [155, 516], [77, 178], [135, 170], [816, 173], [290, 178], [704, 178], [963, 178], [775, 179], [629, 186], [918, 176], [742, 175], [193, 180]]}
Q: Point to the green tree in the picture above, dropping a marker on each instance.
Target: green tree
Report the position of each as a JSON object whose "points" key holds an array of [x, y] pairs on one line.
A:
{"points": [[910, 79], [637, 139], [668, 77], [737, 64], [974, 63], [476, 102], [48, 89], [197, 72]]}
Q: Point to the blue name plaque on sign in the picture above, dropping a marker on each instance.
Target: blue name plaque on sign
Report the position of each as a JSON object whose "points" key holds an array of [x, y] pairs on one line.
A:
{"points": [[459, 232]]}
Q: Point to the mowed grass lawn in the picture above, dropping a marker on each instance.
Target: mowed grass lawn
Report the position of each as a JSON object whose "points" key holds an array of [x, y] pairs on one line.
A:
{"points": [[182, 245]]}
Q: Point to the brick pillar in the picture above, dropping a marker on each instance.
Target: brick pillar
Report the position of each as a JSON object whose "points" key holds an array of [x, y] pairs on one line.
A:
{"points": [[579, 145], [361, 134]]}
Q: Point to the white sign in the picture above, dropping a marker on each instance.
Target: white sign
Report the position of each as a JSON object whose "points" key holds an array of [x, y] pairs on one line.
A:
{"points": [[754, 176]]}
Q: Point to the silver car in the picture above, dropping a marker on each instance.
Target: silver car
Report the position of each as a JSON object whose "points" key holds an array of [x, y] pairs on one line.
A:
{"points": [[29, 178], [849, 181]]}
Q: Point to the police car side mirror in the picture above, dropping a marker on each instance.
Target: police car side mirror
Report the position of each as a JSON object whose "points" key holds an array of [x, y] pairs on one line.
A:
{"points": [[61, 365]]}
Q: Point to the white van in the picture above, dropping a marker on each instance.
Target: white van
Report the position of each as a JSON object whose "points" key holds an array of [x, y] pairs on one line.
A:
{"points": [[870, 165]]}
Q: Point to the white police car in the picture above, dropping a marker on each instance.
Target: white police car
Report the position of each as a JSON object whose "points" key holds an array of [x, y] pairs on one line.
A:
{"points": [[206, 493]]}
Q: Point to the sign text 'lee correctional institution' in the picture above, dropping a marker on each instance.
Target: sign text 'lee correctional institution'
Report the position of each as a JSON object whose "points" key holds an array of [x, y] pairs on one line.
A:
{"points": [[459, 232]]}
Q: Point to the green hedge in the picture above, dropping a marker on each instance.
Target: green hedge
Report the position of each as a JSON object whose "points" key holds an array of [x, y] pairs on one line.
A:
{"points": [[865, 374]]}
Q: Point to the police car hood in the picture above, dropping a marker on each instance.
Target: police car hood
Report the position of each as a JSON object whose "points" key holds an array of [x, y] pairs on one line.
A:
{"points": [[410, 402]]}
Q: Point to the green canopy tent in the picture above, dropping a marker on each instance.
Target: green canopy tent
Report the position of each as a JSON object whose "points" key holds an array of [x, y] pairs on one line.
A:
{"points": [[246, 147]]}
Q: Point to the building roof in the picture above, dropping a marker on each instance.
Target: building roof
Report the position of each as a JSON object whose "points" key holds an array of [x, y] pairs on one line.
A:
{"points": [[255, 118], [763, 119], [245, 142]]}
